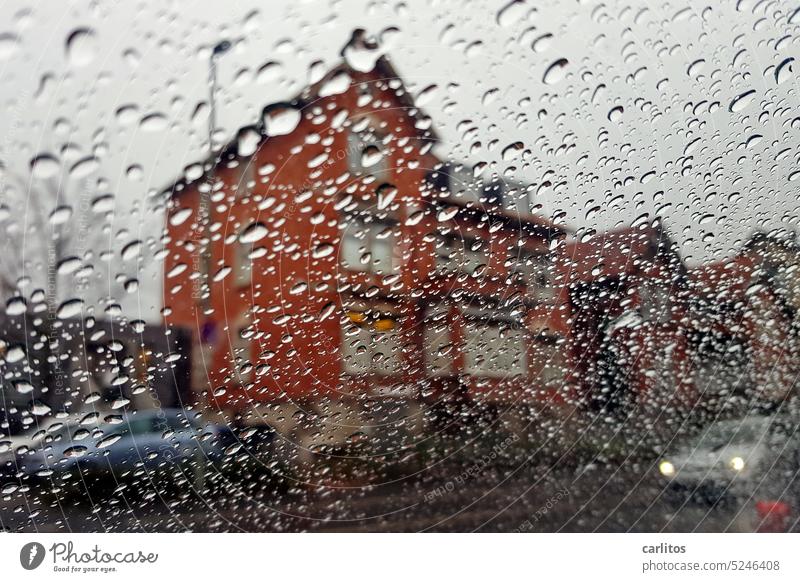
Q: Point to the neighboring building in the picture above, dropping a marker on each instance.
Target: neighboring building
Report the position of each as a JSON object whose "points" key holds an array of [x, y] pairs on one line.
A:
{"points": [[496, 311], [627, 340], [744, 337], [777, 256], [349, 286], [88, 366]]}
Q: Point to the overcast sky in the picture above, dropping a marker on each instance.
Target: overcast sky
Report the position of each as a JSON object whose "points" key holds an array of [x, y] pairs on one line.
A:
{"points": [[643, 118]]}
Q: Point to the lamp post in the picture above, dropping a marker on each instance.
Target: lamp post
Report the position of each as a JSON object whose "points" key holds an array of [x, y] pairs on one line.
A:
{"points": [[204, 210], [219, 49]]}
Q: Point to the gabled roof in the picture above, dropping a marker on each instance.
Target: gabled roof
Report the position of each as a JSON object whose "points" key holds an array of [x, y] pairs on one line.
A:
{"points": [[383, 69]]}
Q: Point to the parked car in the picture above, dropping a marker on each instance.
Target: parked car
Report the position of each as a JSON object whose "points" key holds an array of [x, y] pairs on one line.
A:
{"points": [[124, 448], [756, 457]]}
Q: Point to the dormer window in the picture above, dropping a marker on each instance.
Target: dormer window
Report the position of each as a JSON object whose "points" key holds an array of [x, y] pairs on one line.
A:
{"points": [[455, 255], [655, 305], [534, 270], [366, 155]]}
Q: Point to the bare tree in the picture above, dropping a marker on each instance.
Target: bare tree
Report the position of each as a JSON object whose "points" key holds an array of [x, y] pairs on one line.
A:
{"points": [[34, 217]]}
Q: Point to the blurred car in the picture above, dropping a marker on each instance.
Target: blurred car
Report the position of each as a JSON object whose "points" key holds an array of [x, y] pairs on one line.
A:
{"points": [[126, 447], [755, 457]]}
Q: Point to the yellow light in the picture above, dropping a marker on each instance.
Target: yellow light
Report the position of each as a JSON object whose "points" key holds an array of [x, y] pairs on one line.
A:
{"points": [[384, 324], [356, 316], [667, 469], [737, 463]]}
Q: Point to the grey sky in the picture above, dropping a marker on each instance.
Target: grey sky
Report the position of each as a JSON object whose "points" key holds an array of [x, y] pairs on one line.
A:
{"points": [[632, 116]]}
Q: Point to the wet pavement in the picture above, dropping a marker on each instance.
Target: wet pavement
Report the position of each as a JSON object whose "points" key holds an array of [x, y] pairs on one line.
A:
{"points": [[586, 498]]}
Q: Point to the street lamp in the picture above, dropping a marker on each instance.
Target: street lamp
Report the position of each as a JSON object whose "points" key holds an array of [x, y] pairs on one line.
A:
{"points": [[205, 194], [219, 49]]}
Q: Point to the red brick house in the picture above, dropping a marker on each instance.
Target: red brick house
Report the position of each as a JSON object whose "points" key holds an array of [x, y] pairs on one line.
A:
{"points": [[743, 346], [627, 339], [491, 273], [351, 287]]}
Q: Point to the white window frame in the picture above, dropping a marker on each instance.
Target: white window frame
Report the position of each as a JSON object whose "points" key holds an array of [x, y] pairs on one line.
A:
{"points": [[384, 342], [354, 246]]}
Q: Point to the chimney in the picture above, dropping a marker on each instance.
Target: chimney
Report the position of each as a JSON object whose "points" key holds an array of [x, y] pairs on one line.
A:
{"points": [[360, 41]]}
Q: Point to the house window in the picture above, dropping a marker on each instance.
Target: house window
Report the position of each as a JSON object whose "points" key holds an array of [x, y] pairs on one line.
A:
{"points": [[371, 344], [247, 178], [240, 353], [366, 154], [368, 246], [437, 343], [242, 263], [655, 303], [494, 349], [548, 363], [448, 255], [534, 270], [455, 255]]}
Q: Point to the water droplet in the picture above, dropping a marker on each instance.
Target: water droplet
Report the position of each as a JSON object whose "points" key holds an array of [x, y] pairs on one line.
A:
{"points": [[45, 166], [153, 122], [15, 354], [447, 213], [511, 13], [336, 85], [386, 195], [70, 308], [269, 72], [742, 101], [255, 232], [76, 451], [9, 489], [327, 310], [616, 114], [180, 216], [322, 250], [16, 306], [370, 156], [108, 441], [131, 250], [60, 215], [542, 43], [555, 72], [9, 45], [426, 95], [135, 173], [127, 114], [120, 403], [23, 387], [298, 288], [102, 204], [81, 47], [696, 67], [511, 151], [280, 121], [784, 71], [415, 218], [40, 409], [361, 55], [84, 167], [248, 141]]}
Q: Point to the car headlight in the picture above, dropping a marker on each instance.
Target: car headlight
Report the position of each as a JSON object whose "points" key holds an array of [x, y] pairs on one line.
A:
{"points": [[736, 463], [666, 468]]}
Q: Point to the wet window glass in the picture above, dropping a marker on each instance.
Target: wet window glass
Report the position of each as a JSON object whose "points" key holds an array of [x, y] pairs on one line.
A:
{"points": [[399, 266]]}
